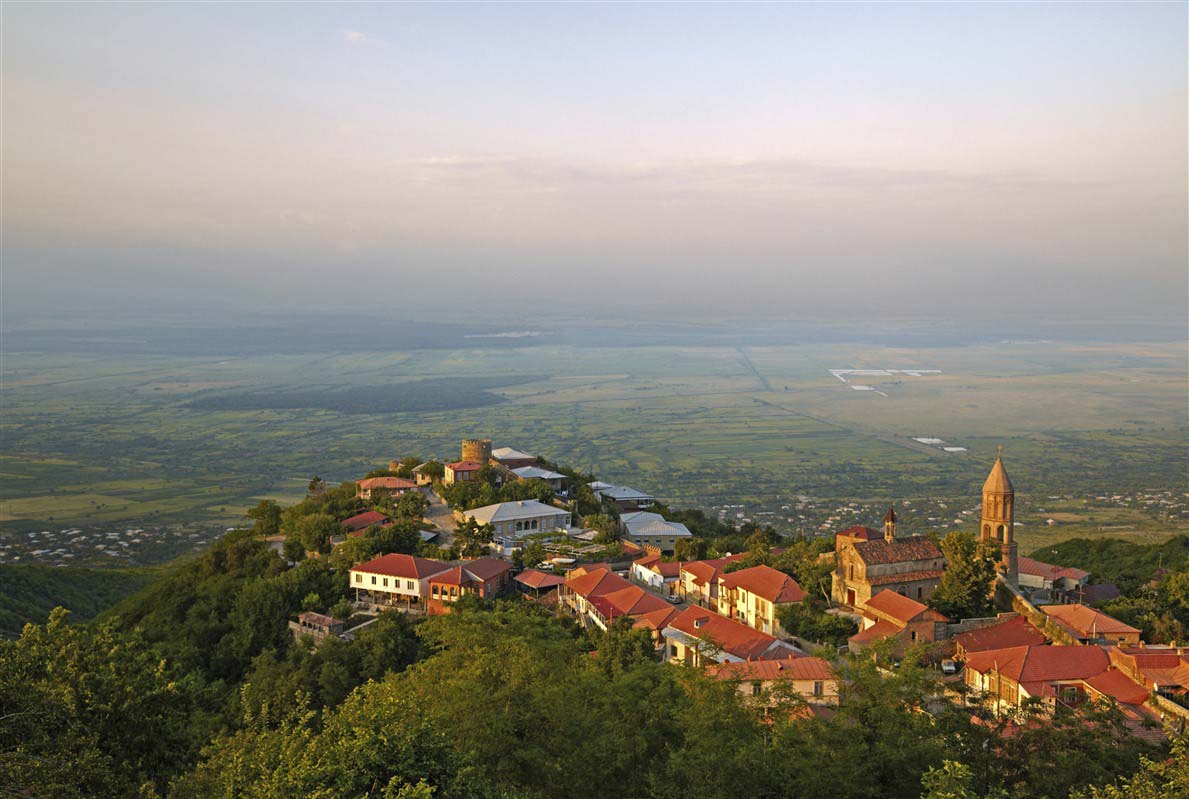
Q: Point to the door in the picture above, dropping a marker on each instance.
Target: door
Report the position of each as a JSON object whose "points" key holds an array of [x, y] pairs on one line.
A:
{"points": [[850, 597]]}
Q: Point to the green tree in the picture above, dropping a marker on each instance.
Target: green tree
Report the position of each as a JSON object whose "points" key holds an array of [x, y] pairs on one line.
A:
{"points": [[266, 516], [412, 505], [690, 549], [293, 549], [472, 537], [607, 527], [316, 530], [533, 554], [401, 536], [968, 582]]}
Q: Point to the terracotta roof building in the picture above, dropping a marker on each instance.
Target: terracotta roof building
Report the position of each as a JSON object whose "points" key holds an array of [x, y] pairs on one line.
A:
{"points": [[362, 521], [1057, 675], [482, 577], [1016, 631], [892, 615], [698, 636], [372, 487], [810, 677], [909, 565], [461, 471], [699, 579], [393, 579], [600, 596], [1162, 669], [754, 595], [1038, 575], [1088, 625]]}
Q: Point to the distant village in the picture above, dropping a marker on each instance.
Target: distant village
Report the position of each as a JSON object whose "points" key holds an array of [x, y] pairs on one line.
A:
{"points": [[1051, 649]]}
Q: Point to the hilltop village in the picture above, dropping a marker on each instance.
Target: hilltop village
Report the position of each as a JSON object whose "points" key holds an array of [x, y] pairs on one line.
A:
{"points": [[1005, 632]]}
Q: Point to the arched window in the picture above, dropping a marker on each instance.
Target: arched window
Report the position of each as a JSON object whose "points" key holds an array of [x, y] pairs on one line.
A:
{"points": [[986, 531], [1002, 533]]}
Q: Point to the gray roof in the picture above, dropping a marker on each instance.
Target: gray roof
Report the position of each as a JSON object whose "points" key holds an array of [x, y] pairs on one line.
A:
{"points": [[527, 472], [511, 511], [507, 453], [643, 523], [618, 492]]}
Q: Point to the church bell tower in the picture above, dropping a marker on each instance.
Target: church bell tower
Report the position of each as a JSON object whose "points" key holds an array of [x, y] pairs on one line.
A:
{"points": [[999, 500], [889, 525]]}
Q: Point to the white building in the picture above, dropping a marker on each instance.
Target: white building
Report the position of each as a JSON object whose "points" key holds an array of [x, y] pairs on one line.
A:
{"points": [[395, 579], [515, 520]]}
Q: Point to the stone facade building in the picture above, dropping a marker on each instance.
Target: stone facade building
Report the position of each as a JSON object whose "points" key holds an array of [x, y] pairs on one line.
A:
{"points": [[908, 565]]}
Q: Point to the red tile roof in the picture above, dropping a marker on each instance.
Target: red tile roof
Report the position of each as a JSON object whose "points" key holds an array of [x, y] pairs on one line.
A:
{"points": [[633, 601], [1086, 622], [361, 521], [1017, 631], [898, 550], [791, 668], [484, 569], [1036, 667], [596, 583], [392, 483], [455, 576], [1119, 686], [535, 579], [877, 632], [1050, 572], [904, 577], [732, 637], [705, 572], [405, 566], [464, 466], [656, 619], [897, 608], [859, 531], [764, 581]]}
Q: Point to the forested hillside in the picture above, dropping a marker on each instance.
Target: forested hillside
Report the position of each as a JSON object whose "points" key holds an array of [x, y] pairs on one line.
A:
{"points": [[28, 592]]}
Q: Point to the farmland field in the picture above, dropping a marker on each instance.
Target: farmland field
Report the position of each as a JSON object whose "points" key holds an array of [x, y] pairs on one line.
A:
{"points": [[95, 439]]}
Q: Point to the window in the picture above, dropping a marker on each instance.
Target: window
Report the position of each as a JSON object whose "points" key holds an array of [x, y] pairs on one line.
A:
{"points": [[385, 582], [818, 688], [913, 635], [920, 592], [756, 688], [373, 579], [359, 578], [409, 584], [434, 592]]}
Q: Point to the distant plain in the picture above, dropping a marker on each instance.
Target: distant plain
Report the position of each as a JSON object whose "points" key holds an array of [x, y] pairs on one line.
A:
{"points": [[123, 437]]}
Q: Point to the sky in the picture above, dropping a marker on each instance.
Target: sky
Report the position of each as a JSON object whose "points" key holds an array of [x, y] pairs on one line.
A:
{"points": [[554, 160]]}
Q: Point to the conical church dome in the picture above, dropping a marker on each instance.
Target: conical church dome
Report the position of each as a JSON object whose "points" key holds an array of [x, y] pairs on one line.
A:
{"points": [[998, 482]]}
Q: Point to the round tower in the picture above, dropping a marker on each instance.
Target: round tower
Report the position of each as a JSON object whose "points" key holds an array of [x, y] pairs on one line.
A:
{"points": [[476, 449], [998, 520]]}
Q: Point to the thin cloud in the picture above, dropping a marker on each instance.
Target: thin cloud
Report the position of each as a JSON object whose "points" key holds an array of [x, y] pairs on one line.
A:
{"points": [[353, 36]]}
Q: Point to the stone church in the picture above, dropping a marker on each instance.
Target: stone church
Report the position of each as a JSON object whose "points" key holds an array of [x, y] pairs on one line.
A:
{"points": [[867, 563]]}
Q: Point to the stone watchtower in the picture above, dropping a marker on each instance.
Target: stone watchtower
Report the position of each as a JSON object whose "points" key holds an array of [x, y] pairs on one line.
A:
{"points": [[476, 449], [999, 500]]}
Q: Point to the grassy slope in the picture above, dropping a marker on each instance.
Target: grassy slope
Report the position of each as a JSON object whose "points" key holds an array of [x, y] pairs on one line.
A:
{"points": [[28, 592]]}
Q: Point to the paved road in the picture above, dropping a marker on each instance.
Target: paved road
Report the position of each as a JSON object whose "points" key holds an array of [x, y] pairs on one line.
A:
{"points": [[440, 516]]}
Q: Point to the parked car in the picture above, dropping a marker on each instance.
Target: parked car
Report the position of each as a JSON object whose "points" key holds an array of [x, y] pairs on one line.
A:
{"points": [[949, 667], [673, 600]]}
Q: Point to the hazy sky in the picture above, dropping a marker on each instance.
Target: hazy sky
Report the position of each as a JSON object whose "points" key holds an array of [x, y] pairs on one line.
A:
{"points": [[538, 158]]}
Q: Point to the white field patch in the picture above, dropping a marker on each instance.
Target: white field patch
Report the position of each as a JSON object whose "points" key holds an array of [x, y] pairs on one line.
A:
{"points": [[930, 441], [843, 374], [954, 449]]}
